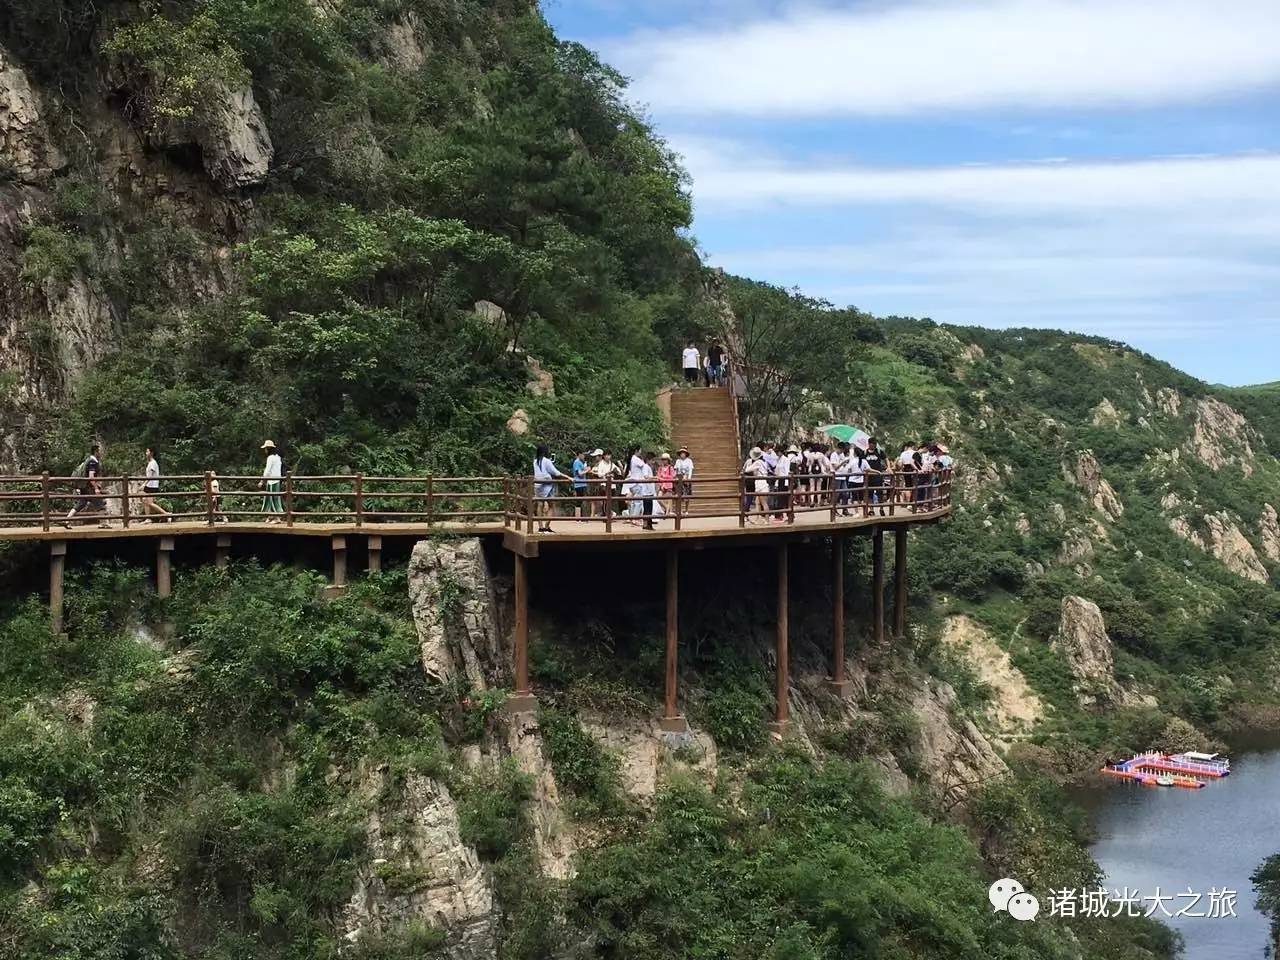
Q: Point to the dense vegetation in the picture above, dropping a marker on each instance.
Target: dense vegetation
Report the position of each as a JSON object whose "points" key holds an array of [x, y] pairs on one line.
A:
{"points": [[183, 778]]}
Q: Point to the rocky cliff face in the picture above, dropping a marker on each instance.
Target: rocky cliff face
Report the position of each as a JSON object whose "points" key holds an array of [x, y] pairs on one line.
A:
{"points": [[1220, 535], [1083, 642], [57, 320], [420, 870]]}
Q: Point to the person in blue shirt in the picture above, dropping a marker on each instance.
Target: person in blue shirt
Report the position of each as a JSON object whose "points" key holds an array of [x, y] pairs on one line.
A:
{"points": [[545, 474], [579, 470]]}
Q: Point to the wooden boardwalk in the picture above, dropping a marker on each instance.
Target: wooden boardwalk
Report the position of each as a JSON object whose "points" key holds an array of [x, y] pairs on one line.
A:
{"points": [[369, 509]]}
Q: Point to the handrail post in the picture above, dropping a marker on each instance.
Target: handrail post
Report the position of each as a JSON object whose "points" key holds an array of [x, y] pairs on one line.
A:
{"points": [[288, 498], [608, 505], [506, 502], [44, 500], [431, 499], [742, 501], [359, 499], [208, 497], [835, 496], [532, 506], [679, 500], [124, 502], [791, 500]]}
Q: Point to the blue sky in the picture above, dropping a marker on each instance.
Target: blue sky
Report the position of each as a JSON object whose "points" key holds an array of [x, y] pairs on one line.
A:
{"points": [[1104, 166]]}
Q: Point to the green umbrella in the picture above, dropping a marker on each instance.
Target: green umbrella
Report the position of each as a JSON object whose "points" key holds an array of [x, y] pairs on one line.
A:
{"points": [[845, 433]]}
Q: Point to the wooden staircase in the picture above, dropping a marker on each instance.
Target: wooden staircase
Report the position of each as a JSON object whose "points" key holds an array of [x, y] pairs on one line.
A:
{"points": [[705, 419]]}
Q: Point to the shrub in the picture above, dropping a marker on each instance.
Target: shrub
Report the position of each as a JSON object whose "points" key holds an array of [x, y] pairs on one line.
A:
{"points": [[491, 810], [581, 765]]}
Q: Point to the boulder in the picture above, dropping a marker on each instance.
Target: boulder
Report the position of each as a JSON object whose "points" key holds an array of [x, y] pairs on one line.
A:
{"points": [[1106, 415], [518, 423], [1083, 642], [455, 613], [490, 312], [26, 149], [541, 383]]}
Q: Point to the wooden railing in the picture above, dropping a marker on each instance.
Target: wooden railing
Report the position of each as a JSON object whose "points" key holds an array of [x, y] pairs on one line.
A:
{"points": [[357, 500]]}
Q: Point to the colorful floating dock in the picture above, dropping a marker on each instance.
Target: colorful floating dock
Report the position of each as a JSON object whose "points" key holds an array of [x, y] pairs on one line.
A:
{"points": [[1190, 771]]}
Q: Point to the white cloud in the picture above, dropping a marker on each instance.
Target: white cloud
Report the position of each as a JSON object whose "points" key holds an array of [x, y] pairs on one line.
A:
{"points": [[736, 176], [921, 56], [1155, 251]]}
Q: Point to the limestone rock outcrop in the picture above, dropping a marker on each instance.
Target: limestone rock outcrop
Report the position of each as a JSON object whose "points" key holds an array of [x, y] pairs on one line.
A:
{"points": [[1220, 536], [1105, 414], [236, 142], [1014, 708], [455, 612], [1221, 437], [1083, 642], [1269, 533], [956, 756], [1169, 401], [1086, 473], [421, 870], [27, 152]]}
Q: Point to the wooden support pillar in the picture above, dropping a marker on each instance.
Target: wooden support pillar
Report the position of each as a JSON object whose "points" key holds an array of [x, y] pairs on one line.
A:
{"points": [[672, 720], [339, 563], [782, 712], [900, 584], [375, 554], [57, 567], [222, 552], [523, 700], [164, 567], [837, 684], [877, 586]]}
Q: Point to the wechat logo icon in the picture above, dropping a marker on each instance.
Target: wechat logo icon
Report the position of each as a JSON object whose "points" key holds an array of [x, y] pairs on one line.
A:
{"points": [[1008, 895]]}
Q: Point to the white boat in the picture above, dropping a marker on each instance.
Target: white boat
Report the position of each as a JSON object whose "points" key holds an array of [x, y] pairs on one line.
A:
{"points": [[1164, 780]]}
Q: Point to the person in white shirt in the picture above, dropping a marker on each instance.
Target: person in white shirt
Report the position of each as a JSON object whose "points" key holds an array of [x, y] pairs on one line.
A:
{"points": [[756, 481], [271, 474], [604, 471], [215, 497], [151, 488], [690, 361], [545, 475], [782, 484], [857, 468], [822, 473], [684, 476], [839, 458]]}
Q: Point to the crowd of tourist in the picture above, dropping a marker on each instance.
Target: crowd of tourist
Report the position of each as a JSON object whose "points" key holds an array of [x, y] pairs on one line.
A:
{"points": [[641, 486], [847, 477], [644, 486]]}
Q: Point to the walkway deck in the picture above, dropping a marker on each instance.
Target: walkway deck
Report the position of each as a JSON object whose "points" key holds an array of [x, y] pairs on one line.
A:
{"points": [[715, 512]]}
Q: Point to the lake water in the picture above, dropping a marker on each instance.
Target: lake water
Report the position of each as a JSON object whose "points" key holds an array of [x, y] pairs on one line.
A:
{"points": [[1216, 837]]}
